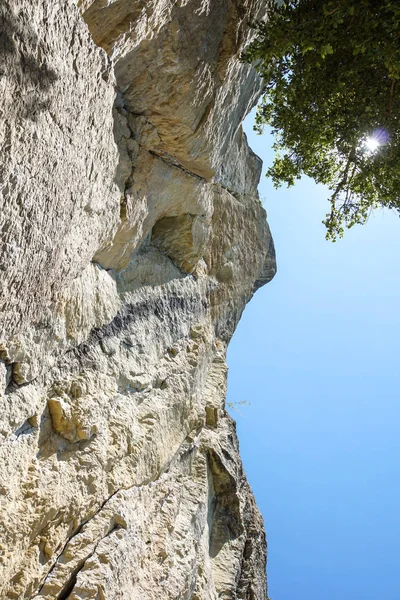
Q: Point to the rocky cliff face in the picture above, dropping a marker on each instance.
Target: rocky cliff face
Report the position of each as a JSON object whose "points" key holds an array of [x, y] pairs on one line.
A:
{"points": [[132, 238]]}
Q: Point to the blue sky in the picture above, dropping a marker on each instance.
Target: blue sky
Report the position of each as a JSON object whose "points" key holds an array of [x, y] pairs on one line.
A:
{"points": [[316, 355]]}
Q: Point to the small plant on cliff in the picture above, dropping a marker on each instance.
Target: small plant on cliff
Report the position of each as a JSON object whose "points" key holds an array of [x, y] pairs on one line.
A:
{"points": [[235, 406], [332, 97]]}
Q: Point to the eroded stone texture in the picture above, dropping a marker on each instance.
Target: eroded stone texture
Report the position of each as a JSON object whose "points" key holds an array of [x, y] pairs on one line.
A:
{"points": [[59, 199], [132, 239]]}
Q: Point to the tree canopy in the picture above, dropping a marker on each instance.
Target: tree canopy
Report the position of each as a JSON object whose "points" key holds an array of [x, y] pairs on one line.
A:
{"points": [[332, 97]]}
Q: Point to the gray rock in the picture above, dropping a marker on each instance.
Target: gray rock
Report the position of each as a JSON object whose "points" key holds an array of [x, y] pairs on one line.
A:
{"points": [[132, 238]]}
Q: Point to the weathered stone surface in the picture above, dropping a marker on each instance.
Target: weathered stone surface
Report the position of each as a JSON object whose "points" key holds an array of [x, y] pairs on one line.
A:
{"points": [[59, 199], [132, 238]]}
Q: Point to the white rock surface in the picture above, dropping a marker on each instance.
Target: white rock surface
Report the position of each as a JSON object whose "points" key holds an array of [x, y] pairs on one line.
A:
{"points": [[132, 238], [59, 199]]}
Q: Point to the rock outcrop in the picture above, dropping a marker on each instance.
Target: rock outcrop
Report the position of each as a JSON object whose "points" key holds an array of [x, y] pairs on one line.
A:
{"points": [[132, 238]]}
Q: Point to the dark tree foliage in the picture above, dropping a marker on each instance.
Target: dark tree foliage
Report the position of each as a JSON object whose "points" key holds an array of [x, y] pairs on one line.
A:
{"points": [[332, 93]]}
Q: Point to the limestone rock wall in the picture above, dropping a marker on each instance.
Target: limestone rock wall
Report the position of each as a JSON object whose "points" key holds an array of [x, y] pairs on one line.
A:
{"points": [[132, 238]]}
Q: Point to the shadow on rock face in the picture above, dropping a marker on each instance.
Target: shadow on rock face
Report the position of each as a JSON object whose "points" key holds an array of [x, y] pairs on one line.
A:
{"points": [[23, 63], [226, 523]]}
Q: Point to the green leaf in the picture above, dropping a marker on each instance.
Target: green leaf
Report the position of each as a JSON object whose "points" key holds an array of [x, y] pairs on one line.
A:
{"points": [[332, 78]]}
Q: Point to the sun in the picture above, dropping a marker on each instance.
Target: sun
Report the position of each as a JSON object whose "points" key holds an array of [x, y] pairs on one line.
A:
{"points": [[371, 144]]}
